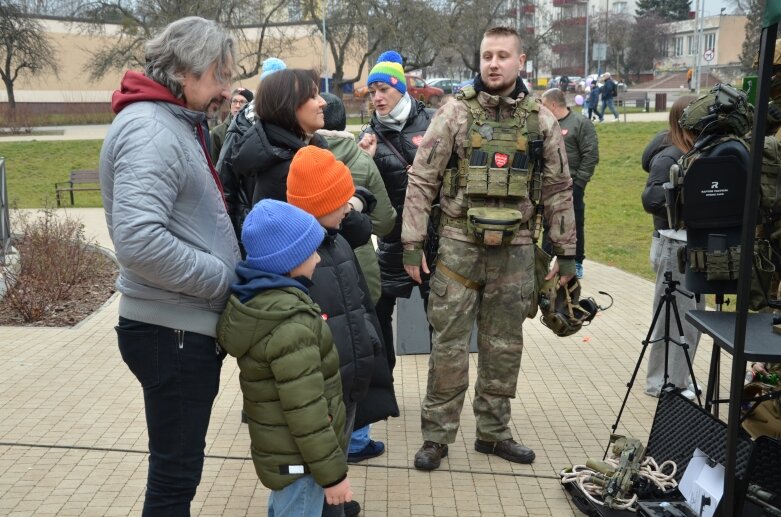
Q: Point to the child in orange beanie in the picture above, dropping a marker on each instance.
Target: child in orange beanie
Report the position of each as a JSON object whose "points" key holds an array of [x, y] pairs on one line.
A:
{"points": [[320, 184]]}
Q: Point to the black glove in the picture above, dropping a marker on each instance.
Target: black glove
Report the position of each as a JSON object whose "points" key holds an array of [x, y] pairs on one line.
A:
{"points": [[366, 198], [356, 229]]}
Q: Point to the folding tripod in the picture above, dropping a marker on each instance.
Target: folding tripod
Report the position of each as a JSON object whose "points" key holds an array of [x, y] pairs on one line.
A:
{"points": [[669, 304]]}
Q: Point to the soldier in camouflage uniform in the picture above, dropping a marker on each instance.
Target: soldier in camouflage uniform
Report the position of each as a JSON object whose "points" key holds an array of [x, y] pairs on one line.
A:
{"points": [[479, 275]]}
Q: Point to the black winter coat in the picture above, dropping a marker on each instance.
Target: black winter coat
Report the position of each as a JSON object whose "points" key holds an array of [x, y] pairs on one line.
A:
{"points": [[658, 156], [395, 280], [341, 292]]}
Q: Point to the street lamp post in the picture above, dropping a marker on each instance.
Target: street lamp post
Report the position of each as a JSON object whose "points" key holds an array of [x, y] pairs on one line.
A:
{"points": [[325, 48], [585, 61]]}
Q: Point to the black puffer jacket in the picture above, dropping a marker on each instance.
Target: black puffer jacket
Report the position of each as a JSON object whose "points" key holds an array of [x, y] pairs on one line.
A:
{"points": [[657, 158], [340, 291], [395, 280]]}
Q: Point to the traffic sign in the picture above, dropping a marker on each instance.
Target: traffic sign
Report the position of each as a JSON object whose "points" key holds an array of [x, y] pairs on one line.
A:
{"points": [[709, 54]]}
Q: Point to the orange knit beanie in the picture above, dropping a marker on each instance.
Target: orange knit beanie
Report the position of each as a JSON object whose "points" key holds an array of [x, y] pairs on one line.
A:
{"points": [[317, 182]]}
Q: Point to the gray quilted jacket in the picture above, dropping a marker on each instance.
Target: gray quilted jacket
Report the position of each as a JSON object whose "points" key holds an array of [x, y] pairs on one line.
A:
{"points": [[171, 232]]}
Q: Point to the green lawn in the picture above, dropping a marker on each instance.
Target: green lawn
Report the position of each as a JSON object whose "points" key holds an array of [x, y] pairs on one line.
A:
{"points": [[32, 169], [618, 231]]}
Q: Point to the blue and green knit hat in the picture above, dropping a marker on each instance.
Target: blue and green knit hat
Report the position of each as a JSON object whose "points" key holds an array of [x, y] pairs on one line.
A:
{"points": [[389, 70]]}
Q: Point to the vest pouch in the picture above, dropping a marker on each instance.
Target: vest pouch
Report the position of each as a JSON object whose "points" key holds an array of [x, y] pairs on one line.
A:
{"points": [[519, 183], [477, 180], [450, 183], [497, 182], [493, 226]]}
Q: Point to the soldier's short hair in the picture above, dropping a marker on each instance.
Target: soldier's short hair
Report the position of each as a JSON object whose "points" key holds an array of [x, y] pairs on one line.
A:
{"points": [[500, 31]]}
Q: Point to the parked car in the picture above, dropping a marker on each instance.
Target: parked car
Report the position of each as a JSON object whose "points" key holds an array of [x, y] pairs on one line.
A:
{"points": [[443, 82], [462, 84], [417, 89]]}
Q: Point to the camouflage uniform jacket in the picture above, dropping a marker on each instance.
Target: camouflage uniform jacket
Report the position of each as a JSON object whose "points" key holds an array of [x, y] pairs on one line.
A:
{"points": [[445, 136]]}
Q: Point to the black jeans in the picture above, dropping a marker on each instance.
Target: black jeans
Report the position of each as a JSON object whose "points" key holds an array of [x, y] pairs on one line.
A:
{"points": [[180, 374], [385, 308]]}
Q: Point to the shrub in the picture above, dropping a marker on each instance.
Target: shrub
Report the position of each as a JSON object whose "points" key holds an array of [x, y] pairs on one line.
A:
{"points": [[54, 257]]}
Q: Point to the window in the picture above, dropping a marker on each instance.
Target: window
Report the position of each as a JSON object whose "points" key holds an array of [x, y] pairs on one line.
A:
{"points": [[679, 46], [691, 45], [710, 41], [619, 7], [665, 47]]}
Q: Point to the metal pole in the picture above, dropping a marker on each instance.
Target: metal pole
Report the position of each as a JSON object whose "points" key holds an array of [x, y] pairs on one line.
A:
{"points": [[585, 61], [325, 48], [697, 51]]}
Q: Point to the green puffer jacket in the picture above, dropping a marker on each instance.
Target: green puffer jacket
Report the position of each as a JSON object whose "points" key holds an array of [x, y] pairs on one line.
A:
{"points": [[365, 174], [291, 385]]}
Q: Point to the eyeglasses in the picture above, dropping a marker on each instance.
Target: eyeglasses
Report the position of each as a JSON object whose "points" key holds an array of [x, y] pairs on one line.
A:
{"points": [[238, 102]]}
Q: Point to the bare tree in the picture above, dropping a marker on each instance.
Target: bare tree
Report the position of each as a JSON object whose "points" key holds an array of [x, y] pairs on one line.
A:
{"points": [[471, 18], [24, 48], [348, 25], [750, 51], [644, 44], [139, 20]]}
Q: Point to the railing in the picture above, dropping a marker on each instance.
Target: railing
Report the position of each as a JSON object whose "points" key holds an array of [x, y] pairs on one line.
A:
{"points": [[5, 226]]}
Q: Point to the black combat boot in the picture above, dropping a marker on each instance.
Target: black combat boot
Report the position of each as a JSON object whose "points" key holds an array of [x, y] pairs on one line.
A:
{"points": [[508, 449], [430, 455]]}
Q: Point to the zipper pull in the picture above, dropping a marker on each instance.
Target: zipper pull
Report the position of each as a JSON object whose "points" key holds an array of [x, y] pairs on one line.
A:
{"points": [[180, 338]]}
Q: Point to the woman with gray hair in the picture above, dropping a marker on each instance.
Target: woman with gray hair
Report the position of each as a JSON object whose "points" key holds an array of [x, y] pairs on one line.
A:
{"points": [[174, 242]]}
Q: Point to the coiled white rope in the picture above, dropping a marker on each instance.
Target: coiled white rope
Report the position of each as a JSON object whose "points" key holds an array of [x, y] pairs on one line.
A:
{"points": [[592, 483]]}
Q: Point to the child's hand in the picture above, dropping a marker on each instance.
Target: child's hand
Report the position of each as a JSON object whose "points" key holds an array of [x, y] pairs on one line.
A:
{"points": [[339, 494]]}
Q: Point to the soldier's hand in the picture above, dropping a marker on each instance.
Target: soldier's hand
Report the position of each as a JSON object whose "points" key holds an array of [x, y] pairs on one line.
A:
{"points": [[564, 280], [414, 271]]}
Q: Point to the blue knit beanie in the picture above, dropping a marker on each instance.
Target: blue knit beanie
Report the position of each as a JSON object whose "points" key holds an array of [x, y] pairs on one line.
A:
{"points": [[271, 65], [389, 70], [278, 236]]}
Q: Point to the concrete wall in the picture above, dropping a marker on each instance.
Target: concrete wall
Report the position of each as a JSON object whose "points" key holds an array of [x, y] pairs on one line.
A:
{"points": [[73, 46]]}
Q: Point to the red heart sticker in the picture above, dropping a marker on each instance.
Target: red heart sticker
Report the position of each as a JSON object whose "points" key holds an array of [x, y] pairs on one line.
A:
{"points": [[394, 80], [417, 140], [564, 132], [501, 159]]}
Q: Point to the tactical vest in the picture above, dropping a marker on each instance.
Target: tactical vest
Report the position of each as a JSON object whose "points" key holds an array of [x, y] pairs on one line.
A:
{"points": [[502, 165]]}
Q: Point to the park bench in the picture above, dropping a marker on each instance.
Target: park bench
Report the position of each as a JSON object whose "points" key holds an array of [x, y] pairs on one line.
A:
{"points": [[640, 99], [78, 181]]}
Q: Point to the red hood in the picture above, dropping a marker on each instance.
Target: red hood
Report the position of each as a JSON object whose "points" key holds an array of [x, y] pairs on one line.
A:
{"points": [[136, 87]]}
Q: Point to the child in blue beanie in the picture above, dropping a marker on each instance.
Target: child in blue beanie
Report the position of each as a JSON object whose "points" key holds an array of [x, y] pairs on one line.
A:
{"points": [[289, 364]]}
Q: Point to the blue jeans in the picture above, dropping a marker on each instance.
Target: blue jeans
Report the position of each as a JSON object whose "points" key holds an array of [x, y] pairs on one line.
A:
{"points": [[359, 439], [608, 103], [302, 498], [180, 374]]}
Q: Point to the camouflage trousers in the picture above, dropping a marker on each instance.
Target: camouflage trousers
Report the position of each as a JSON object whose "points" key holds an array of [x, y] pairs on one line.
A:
{"points": [[499, 303]]}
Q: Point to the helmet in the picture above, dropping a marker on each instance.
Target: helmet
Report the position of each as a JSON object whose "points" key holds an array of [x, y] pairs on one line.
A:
{"points": [[562, 310], [724, 109]]}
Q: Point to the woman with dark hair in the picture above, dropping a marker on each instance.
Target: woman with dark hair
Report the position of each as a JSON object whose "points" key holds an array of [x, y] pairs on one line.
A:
{"points": [[289, 110], [663, 152]]}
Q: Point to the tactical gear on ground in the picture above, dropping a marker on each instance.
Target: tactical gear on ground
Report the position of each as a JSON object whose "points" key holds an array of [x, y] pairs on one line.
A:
{"points": [[429, 457], [509, 450]]}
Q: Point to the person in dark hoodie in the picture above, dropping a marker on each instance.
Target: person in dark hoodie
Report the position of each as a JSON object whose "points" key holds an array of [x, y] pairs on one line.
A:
{"points": [[174, 243], [376, 406], [396, 129], [322, 186], [662, 152], [239, 99], [289, 366]]}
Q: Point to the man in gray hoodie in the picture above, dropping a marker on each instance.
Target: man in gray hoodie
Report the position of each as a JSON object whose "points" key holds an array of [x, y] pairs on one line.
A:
{"points": [[176, 248]]}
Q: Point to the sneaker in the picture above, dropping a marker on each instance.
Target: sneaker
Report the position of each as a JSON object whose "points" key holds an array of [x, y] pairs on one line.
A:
{"points": [[372, 450], [430, 455], [352, 508], [579, 270], [509, 450]]}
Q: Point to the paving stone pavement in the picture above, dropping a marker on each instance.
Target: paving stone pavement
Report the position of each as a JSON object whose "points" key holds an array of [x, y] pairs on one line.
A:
{"points": [[73, 437]]}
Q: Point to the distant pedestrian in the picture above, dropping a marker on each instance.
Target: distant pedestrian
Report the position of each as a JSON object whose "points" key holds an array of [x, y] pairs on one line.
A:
{"points": [[609, 92], [593, 100], [580, 141], [239, 98], [689, 76], [175, 245]]}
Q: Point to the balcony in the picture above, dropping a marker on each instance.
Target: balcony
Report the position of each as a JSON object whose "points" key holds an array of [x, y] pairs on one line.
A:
{"points": [[579, 21], [561, 3]]}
